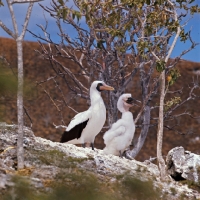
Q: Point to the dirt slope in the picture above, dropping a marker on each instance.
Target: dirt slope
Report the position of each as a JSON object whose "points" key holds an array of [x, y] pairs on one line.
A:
{"points": [[43, 113]]}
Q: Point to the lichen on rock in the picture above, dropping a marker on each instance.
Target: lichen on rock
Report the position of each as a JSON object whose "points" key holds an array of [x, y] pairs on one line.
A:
{"points": [[183, 165]]}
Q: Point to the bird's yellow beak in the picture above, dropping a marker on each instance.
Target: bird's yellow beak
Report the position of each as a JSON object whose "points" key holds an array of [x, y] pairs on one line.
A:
{"points": [[106, 87]]}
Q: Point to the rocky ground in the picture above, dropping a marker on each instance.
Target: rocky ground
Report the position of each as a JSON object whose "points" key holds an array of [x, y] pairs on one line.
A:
{"points": [[63, 171]]}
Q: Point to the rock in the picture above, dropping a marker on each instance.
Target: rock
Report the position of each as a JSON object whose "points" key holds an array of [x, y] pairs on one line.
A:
{"points": [[49, 164], [3, 180], [183, 164]]}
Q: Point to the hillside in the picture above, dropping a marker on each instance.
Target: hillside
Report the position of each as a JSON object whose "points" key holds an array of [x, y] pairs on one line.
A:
{"points": [[43, 113], [64, 171]]}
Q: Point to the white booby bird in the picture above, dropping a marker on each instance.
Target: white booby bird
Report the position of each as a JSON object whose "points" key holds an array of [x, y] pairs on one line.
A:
{"points": [[121, 133], [84, 127]]}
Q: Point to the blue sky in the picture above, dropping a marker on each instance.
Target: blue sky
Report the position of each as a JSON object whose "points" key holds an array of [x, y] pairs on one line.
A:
{"points": [[37, 17]]}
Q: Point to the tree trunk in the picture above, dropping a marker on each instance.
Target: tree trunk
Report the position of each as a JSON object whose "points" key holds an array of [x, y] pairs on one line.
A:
{"points": [[144, 79], [161, 161], [20, 149], [112, 111], [143, 134]]}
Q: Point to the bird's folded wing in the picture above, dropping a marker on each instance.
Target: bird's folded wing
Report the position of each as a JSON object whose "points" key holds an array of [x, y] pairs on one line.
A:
{"points": [[117, 124], [113, 132], [79, 118]]}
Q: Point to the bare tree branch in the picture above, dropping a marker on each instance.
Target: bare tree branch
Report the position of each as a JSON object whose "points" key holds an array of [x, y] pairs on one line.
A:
{"points": [[7, 30], [25, 1], [13, 19], [28, 14]]}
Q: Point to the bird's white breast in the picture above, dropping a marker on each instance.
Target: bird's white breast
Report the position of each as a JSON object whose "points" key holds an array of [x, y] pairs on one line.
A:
{"points": [[127, 117], [96, 122]]}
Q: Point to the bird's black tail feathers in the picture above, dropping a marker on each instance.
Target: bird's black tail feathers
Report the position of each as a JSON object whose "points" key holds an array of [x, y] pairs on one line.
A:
{"points": [[74, 132]]}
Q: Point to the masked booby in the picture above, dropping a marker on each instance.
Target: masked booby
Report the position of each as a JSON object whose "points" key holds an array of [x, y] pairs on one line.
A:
{"points": [[121, 133], [84, 127]]}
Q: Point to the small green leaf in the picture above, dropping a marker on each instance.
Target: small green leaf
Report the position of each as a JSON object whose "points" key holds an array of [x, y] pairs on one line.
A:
{"points": [[194, 9], [64, 14], [1, 3], [148, 2], [61, 2], [184, 36], [73, 15], [99, 45], [78, 15], [160, 65]]}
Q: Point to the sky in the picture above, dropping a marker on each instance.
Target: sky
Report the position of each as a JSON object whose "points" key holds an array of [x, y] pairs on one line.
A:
{"points": [[37, 17]]}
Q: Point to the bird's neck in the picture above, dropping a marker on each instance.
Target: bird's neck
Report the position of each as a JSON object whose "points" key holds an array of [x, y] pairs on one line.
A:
{"points": [[124, 112], [95, 97], [124, 109], [127, 115]]}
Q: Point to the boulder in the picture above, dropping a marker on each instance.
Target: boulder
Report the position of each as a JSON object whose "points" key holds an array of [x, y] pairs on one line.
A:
{"points": [[183, 164]]}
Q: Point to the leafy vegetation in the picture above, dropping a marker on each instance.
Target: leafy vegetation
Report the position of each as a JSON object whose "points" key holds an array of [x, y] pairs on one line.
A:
{"points": [[192, 184], [173, 191], [8, 82], [55, 157], [173, 101], [140, 189], [80, 185]]}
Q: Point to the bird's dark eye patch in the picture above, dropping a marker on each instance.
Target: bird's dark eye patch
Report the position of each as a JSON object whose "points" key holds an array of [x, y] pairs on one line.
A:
{"points": [[130, 100], [98, 87]]}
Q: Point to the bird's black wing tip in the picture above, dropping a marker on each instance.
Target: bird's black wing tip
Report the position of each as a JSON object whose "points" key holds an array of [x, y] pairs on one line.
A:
{"points": [[74, 133]]}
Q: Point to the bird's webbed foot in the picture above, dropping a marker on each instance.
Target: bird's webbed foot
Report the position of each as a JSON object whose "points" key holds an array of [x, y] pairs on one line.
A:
{"points": [[127, 155]]}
